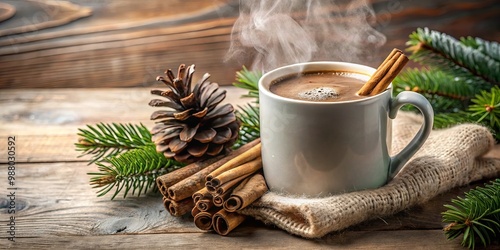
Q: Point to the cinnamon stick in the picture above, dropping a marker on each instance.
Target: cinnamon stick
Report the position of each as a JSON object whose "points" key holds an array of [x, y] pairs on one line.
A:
{"points": [[200, 194], [245, 157], [385, 73], [180, 208], [188, 186], [246, 193], [391, 74], [166, 202], [219, 200], [204, 204], [223, 192], [204, 220], [209, 187], [244, 169], [195, 211], [165, 181], [224, 222], [230, 185]]}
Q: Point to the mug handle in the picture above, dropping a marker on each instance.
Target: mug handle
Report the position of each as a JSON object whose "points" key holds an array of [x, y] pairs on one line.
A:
{"points": [[408, 97]]}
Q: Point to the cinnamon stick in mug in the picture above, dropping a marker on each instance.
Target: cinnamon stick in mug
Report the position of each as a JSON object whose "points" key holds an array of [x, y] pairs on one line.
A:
{"points": [[385, 73], [390, 75]]}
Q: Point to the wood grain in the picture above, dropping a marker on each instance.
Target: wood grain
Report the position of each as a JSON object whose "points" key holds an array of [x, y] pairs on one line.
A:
{"points": [[61, 13], [249, 238], [6, 11], [127, 43], [45, 122]]}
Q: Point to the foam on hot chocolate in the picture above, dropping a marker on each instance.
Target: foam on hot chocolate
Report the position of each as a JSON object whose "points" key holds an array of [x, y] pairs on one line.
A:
{"points": [[319, 94], [323, 86]]}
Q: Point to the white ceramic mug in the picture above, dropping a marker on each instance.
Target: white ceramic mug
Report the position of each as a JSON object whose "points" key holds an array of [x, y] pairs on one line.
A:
{"points": [[321, 148]]}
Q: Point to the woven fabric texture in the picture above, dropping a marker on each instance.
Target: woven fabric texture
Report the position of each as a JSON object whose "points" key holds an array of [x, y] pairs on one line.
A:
{"points": [[449, 158]]}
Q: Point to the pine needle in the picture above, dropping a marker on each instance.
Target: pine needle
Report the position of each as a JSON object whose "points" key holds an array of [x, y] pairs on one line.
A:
{"points": [[476, 216], [448, 54], [107, 140], [445, 92], [250, 124], [249, 114], [486, 106], [248, 80], [126, 158], [134, 171]]}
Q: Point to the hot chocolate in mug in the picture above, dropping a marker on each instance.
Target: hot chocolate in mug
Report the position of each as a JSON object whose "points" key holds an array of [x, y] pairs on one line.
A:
{"points": [[320, 148]]}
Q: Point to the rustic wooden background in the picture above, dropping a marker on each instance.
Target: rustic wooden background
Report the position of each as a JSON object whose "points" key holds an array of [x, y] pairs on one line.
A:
{"points": [[126, 43]]}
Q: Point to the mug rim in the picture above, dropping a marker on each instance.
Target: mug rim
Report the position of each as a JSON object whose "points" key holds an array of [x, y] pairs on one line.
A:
{"points": [[300, 67]]}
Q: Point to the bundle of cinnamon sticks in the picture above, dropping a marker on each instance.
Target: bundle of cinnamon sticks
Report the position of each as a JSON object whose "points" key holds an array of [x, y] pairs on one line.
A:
{"points": [[385, 73], [215, 189]]}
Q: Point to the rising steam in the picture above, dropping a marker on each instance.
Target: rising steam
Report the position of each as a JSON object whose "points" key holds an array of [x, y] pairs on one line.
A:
{"points": [[281, 32]]}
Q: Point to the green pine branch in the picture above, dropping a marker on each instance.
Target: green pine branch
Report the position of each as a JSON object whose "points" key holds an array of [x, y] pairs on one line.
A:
{"points": [[476, 216], [445, 92], [248, 80], [448, 54], [250, 124], [461, 81], [486, 106], [125, 156], [490, 49], [458, 78], [445, 120], [133, 171], [249, 114], [106, 140]]}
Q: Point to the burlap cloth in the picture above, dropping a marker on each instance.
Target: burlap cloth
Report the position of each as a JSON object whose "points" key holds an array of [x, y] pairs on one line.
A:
{"points": [[449, 158]]}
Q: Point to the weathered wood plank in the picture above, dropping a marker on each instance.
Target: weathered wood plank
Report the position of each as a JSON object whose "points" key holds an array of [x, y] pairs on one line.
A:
{"points": [[56, 199], [248, 238], [123, 40], [54, 203], [45, 122]]}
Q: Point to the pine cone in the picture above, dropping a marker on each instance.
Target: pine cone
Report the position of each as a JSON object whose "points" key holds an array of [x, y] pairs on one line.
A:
{"points": [[195, 126]]}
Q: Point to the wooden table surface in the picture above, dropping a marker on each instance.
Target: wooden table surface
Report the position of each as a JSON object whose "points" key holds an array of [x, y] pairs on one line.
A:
{"points": [[55, 207]]}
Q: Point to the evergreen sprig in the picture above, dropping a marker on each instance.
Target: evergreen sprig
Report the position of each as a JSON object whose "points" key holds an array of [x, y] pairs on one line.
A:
{"points": [[125, 156], [458, 78], [249, 114], [135, 170], [445, 92], [486, 107], [248, 80], [106, 140], [445, 120], [491, 49], [476, 216], [448, 54], [250, 124]]}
